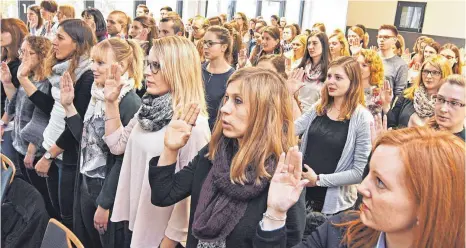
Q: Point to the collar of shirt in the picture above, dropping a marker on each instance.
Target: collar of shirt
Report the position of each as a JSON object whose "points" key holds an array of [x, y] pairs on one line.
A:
{"points": [[381, 241]]}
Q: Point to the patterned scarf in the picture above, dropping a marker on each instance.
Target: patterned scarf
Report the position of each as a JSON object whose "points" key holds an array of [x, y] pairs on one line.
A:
{"points": [[222, 203], [423, 104], [156, 112]]}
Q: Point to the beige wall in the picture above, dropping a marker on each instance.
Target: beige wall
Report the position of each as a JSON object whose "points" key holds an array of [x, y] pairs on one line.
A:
{"points": [[442, 18]]}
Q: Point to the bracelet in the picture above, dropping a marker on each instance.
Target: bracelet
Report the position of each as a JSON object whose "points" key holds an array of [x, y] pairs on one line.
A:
{"points": [[270, 217], [107, 119]]}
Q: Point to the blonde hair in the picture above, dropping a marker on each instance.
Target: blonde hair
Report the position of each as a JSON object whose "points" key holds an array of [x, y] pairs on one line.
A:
{"points": [[123, 50], [363, 36], [180, 66], [67, 10], [376, 66], [344, 43], [302, 38], [437, 61], [123, 19], [270, 127]]}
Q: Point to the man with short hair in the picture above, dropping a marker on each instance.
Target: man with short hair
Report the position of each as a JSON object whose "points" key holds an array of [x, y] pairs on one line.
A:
{"points": [[395, 68], [142, 10], [164, 11], [170, 26]]}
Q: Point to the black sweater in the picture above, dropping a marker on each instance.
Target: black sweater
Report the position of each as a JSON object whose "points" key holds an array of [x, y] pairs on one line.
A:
{"points": [[129, 105], [326, 236], [169, 188], [82, 96], [398, 116]]}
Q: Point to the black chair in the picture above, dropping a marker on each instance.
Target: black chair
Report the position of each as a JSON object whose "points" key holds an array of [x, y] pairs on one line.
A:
{"points": [[59, 236], [8, 174]]}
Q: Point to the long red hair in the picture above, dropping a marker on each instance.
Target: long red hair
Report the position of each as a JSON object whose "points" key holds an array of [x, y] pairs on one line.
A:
{"points": [[434, 173]]}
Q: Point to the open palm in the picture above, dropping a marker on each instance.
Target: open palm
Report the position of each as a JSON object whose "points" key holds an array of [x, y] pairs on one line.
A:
{"points": [[286, 185], [113, 83], [66, 90], [6, 74], [179, 129]]}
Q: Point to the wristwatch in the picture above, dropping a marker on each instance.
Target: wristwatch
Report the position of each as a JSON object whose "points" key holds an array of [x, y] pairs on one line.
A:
{"points": [[318, 181], [48, 155]]}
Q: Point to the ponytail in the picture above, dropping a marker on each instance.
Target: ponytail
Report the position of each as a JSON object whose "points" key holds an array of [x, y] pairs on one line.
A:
{"points": [[136, 63]]}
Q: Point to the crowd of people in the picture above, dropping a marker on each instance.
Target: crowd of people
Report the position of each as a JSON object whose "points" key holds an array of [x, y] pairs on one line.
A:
{"points": [[244, 133]]}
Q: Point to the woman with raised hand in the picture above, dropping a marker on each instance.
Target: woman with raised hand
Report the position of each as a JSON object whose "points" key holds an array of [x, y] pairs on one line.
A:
{"points": [[117, 64], [34, 19], [372, 77], [399, 208], [71, 58], [29, 121], [228, 179], [417, 105], [336, 139], [338, 46], [315, 64], [144, 31], [141, 140]]}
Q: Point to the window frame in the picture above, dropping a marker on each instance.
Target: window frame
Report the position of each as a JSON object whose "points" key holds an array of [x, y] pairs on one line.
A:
{"points": [[399, 8]]}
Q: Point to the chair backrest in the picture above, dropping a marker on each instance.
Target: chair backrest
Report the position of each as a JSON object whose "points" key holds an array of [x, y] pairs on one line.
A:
{"points": [[8, 174], [59, 236]]}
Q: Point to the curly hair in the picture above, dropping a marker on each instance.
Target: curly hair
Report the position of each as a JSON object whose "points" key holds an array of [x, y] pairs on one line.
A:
{"points": [[376, 66], [43, 48]]}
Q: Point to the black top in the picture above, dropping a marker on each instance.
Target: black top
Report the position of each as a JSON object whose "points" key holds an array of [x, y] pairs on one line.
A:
{"points": [[169, 188], [13, 66], [398, 116], [323, 153], [128, 106], [326, 236], [82, 96], [461, 134], [215, 87]]}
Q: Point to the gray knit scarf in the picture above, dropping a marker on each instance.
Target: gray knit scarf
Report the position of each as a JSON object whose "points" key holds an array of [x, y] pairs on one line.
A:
{"points": [[423, 104], [156, 112], [222, 203]]}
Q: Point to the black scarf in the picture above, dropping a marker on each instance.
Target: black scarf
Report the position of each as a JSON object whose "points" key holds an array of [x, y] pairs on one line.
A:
{"points": [[222, 203], [156, 112]]}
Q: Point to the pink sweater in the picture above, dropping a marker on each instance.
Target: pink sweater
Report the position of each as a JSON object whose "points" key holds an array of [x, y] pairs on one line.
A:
{"points": [[150, 223]]}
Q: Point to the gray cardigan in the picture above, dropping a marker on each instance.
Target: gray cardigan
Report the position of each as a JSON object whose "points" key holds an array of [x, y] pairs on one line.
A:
{"points": [[30, 121], [341, 191]]}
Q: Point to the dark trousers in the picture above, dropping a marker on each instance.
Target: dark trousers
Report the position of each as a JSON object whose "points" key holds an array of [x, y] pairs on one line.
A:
{"points": [[39, 183], [60, 185], [8, 150]]}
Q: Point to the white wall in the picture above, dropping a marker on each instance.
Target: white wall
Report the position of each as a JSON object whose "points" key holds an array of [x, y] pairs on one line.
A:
{"points": [[330, 12]]}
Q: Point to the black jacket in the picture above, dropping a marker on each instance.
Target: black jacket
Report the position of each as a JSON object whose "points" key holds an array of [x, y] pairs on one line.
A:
{"points": [[169, 188], [326, 236], [398, 116]]}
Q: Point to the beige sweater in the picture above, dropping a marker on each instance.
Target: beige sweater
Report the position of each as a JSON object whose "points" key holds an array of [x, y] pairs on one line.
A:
{"points": [[150, 223]]}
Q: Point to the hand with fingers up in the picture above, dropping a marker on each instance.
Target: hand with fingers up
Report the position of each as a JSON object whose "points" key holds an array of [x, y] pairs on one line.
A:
{"points": [[179, 128], [386, 96], [295, 80], [113, 83], [66, 90], [6, 75], [379, 127], [286, 184]]}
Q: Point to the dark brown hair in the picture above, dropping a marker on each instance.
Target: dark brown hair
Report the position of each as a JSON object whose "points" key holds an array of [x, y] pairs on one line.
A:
{"points": [[389, 27], [225, 37], [36, 9], [49, 5], [18, 31]]}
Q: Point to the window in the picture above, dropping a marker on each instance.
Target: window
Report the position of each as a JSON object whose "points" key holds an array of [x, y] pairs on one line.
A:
{"points": [[410, 16]]}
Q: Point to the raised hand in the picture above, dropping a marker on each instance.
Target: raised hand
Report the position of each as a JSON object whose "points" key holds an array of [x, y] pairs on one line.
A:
{"points": [[113, 83], [25, 68], [142, 36], [6, 75], [386, 96], [295, 80], [66, 90], [242, 58], [379, 127], [179, 129], [286, 184], [374, 48], [355, 46]]}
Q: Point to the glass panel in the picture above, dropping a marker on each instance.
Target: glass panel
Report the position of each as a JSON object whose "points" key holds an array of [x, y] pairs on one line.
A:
{"points": [[107, 6], [410, 17], [269, 8], [292, 11], [248, 7], [9, 8]]}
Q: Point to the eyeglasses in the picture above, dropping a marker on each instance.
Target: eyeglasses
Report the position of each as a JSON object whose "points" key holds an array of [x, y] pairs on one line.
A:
{"points": [[440, 100], [209, 43], [425, 73], [384, 37], [21, 52], [154, 66]]}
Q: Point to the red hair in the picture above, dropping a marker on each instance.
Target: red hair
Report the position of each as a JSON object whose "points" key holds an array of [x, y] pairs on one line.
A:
{"points": [[436, 183]]}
